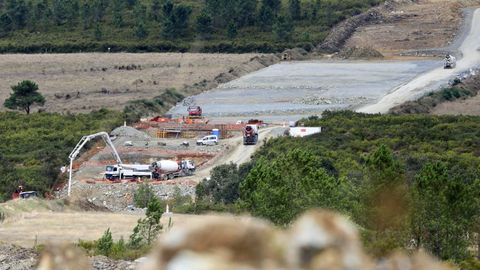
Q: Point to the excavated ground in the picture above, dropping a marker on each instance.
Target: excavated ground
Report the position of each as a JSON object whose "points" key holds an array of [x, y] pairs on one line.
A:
{"points": [[413, 25]]}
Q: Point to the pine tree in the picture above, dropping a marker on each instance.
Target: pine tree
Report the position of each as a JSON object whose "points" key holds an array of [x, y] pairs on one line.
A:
{"points": [[155, 10], [118, 13], [140, 30], [6, 24], [105, 243], [232, 30], [295, 9], [266, 17], [204, 26], [98, 32], [283, 29]]}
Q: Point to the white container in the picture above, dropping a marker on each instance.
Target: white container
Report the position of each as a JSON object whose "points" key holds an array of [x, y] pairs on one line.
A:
{"points": [[304, 131]]}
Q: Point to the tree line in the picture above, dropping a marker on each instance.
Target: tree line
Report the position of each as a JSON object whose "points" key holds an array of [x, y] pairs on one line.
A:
{"points": [[102, 20]]}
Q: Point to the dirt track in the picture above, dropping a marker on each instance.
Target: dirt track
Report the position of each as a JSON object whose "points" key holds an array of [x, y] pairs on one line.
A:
{"points": [[436, 77]]}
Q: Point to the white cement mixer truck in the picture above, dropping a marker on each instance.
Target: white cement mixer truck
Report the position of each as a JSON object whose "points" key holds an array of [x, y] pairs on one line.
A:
{"points": [[449, 61], [169, 169]]}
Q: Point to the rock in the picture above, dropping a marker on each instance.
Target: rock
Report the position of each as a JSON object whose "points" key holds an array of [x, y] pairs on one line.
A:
{"points": [[17, 258]]}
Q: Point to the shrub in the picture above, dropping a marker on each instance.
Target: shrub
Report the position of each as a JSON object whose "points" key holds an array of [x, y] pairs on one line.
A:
{"points": [[143, 195], [105, 243]]}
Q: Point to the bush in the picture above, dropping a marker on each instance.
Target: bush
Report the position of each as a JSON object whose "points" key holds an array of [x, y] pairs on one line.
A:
{"points": [[105, 243], [143, 195]]}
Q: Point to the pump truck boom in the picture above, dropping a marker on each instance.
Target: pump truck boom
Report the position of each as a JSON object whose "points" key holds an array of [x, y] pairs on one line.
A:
{"points": [[81, 144]]}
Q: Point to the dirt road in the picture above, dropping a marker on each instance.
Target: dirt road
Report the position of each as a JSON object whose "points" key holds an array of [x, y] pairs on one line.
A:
{"points": [[436, 77], [237, 152]]}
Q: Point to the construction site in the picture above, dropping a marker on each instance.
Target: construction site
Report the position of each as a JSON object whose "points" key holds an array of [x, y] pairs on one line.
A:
{"points": [[414, 48], [173, 154]]}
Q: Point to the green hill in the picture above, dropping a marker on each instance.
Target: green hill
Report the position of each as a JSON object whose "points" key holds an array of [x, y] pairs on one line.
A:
{"points": [[165, 25]]}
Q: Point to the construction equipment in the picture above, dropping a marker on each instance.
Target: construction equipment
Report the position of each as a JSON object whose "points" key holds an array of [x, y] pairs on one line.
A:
{"points": [[123, 171], [194, 111], [81, 144], [250, 134], [449, 61], [163, 169], [169, 169]]}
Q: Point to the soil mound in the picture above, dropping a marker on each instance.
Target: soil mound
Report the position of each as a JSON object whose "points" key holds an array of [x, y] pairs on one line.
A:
{"points": [[359, 53], [129, 132]]}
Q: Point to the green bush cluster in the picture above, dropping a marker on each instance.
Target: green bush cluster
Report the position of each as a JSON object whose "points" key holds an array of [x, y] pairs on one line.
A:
{"points": [[158, 105], [426, 103], [406, 180], [34, 147], [140, 241]]}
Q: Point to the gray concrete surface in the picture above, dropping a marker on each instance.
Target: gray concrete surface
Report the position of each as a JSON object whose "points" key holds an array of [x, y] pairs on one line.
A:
{"points": [[292, 90]]}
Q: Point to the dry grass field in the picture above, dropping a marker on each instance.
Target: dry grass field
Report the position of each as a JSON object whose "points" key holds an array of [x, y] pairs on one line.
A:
{"points": [[88, 81], [42, 221]]}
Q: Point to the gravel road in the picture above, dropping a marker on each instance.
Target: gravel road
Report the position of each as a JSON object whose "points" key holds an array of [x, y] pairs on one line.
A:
{"points": [[435, 78]]}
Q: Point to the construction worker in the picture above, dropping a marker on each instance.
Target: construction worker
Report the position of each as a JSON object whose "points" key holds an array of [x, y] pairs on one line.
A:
{"points": [[16, 193]]}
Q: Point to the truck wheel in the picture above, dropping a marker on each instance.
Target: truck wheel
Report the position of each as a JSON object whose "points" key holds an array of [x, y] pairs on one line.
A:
{"points": [[170, 176]]}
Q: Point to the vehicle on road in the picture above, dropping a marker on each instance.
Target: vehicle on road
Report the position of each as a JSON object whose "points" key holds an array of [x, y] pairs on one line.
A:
{"points": [[449, 62], [208, 140], [194, 111], [250, 134], [304, 131]]}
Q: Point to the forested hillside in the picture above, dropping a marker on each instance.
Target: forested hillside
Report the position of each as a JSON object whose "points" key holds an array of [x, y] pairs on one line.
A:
{"points": [[166, 25], [408, 181], [34, 147]]}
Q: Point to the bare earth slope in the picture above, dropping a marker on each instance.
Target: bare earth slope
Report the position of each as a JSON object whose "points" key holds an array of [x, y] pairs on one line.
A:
{"points": [[88, 81], [433, 79], [424, 24]]}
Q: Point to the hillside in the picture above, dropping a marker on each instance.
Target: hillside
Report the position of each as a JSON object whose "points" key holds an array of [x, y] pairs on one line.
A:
{"points": [[154, 25], [399, 177]]}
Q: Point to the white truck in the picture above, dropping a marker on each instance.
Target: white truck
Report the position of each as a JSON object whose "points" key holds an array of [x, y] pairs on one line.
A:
{"points": [[163, 169], [304, 131], [449, 61], [250, 134]]}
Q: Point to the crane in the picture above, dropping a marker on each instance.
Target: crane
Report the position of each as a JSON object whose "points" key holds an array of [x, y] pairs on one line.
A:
{"points": [[79, 146]]}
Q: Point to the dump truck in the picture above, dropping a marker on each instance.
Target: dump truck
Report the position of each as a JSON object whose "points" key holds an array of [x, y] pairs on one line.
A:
{"points": [[449, 62], [250, 134], [169, 169]]}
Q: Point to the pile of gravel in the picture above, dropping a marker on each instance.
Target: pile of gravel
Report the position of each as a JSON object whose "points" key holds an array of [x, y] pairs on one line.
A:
{"points": [[17, 258], [129, 132]]}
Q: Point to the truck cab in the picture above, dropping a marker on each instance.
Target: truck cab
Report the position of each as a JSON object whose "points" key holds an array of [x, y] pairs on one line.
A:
{"points": [[208, 140]]}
